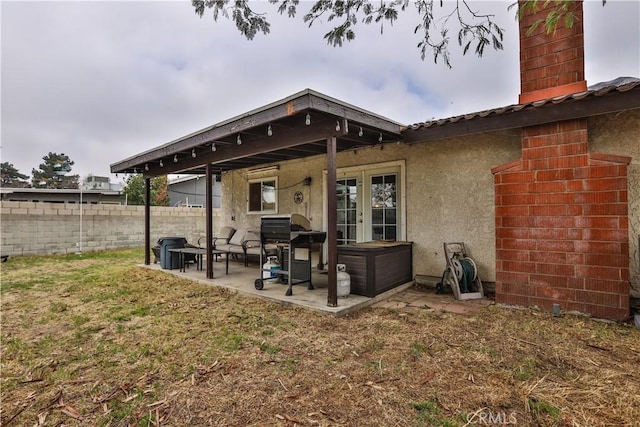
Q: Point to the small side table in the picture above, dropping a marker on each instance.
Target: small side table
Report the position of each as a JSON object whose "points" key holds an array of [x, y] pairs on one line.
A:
{"points": [[215, 252], [198, 252]]}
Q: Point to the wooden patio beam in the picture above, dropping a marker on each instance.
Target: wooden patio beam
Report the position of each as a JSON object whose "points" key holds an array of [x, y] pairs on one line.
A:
{"points": [[285, 138]]}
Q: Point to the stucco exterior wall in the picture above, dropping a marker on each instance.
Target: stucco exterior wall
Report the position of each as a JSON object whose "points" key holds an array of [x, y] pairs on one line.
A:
{"points": [[449, 194], [30, 228], [619, 134]]}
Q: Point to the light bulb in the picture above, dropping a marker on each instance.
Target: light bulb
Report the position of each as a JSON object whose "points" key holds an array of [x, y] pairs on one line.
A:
{"points": [[307, 120], [337, 125], [161, 164], [269, 131], [135, 170], [193, 152], [213, 147], [146, 166], [239, 140], [175, 159], [380, 137], [360, 133]]}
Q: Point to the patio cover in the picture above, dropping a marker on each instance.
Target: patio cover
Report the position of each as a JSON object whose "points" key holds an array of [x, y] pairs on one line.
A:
{"points": [[305, 124]]}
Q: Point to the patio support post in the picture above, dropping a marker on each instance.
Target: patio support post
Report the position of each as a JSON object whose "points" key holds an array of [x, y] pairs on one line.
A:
{"points": [[209, 221], [147, 221], [332, 217]]}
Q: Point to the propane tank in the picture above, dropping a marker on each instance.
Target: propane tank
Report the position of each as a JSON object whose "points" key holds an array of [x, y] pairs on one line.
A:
{"points": [[270, 270], [344, 281]]}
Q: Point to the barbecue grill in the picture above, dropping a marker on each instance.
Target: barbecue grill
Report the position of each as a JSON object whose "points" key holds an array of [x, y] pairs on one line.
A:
{"points": [[289, 232]]}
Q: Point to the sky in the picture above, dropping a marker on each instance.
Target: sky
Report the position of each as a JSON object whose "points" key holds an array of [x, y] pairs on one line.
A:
{"points": [[103, 81]]}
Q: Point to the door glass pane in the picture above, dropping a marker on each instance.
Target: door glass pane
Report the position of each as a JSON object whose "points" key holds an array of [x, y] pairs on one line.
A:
{"points": [[383, 207], [347, 197], [390, 216], [377, 216]]}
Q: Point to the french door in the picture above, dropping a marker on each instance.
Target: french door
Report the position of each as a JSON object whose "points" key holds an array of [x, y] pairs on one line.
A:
{"points": [[348, 211], [370, 205], [383, 212]]}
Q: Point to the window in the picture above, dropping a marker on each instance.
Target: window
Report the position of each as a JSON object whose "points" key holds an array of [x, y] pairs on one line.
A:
{"points": [[263, 196]]}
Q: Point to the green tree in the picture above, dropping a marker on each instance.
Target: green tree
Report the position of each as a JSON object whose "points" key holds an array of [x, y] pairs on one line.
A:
{"points": [[160, 191], [10, 177], [475, 30], [134, 190], [53, 172]]}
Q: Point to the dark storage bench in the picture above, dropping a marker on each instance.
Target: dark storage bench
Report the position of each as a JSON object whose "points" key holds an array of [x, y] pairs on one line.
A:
{"points": [[376, 267]]}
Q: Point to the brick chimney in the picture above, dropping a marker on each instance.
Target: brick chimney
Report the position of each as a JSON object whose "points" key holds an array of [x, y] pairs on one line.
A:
{"points": [[551, 64], [561, 212]]}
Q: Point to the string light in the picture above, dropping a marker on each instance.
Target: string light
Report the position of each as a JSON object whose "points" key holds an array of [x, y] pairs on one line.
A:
{"points": [[269, 131], [175, 159], [161, 164], [307, 120], [213, 147], [360, 133], [193, 152], [239, 140]]}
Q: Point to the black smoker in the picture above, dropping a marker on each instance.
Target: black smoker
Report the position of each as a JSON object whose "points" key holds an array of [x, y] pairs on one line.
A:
{"points": [[289, 232]]}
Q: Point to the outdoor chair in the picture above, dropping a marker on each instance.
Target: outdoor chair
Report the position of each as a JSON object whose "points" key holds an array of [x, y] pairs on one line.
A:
{"points": [[224, 235]]}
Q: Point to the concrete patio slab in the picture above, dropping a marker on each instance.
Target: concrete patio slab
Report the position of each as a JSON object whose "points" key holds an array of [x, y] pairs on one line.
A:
{"points": [[405, 297]]}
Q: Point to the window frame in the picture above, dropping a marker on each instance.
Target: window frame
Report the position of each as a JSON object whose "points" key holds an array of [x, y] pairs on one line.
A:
{"points": [[262, 210]]}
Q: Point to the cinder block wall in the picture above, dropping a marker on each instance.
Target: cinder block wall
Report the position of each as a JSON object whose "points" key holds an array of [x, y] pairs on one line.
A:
{"points": [[30, 228]]}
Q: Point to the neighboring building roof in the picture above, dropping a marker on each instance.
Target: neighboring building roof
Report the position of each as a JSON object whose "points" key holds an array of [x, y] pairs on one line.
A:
{"points": [[9, 190], [620, 94], [184, 178], [62, 195]]}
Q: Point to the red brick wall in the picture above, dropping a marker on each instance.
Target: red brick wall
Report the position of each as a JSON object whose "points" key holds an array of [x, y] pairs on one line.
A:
{"points": [[551, 64], [562, 225]]}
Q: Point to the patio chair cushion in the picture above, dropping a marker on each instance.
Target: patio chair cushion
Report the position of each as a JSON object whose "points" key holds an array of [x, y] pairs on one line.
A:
{"points": [[225, 232], [238, 237], [252, 239]]}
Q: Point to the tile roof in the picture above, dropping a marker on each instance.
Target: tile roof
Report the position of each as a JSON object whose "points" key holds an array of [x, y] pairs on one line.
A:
{"points": [[621, 84]]}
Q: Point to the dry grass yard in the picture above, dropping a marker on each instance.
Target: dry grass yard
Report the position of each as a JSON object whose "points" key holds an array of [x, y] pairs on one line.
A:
{"points": [[97, 341]]}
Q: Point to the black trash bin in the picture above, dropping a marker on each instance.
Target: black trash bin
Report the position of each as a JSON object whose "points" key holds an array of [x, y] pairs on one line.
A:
{"points": [[166, 243]]}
